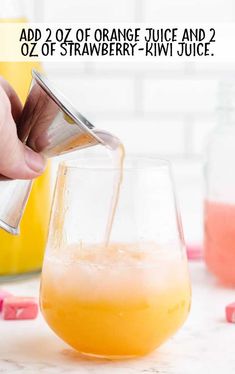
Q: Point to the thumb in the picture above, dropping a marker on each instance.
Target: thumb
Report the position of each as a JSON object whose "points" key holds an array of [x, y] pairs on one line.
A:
{"points": [[34, 161], [21, 162]]}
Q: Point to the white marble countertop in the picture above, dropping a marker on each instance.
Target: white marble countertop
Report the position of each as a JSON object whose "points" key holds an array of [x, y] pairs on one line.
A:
{"points": [[205, 344]]}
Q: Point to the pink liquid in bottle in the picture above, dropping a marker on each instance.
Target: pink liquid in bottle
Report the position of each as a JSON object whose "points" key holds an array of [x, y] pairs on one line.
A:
{"points": [[219, 244]]}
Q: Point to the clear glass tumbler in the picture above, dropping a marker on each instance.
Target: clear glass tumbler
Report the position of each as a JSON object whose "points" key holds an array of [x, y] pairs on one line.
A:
{"points": [[124, 298]]}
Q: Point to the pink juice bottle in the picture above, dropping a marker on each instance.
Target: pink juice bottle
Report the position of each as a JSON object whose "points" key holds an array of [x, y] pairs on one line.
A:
{"points": [[219, 208]]}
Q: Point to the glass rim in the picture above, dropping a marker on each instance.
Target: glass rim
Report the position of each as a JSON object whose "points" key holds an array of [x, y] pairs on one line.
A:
{"points": [[138, 162]]}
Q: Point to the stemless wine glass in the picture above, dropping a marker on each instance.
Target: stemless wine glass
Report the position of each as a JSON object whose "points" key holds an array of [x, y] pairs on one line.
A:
{"points": [[123, 298]]}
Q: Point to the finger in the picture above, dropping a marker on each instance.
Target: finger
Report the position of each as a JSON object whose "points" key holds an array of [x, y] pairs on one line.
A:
{"points": [[16, 159], [16, 106], [21, 162]]}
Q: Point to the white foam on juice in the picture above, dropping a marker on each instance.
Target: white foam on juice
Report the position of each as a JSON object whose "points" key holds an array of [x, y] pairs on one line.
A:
{"points": [[118, 271]]}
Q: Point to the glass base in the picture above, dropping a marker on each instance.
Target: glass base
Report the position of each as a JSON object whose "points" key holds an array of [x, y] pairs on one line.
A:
{"points": [[107, 357], [4, 278]]}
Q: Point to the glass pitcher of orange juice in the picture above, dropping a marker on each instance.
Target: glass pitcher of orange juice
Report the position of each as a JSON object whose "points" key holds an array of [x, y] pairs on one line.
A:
{"points": [[124, 297], [24, 253]]}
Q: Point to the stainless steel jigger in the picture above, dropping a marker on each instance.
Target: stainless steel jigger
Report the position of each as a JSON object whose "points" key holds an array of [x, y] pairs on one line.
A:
{"points": [[50, 125]]}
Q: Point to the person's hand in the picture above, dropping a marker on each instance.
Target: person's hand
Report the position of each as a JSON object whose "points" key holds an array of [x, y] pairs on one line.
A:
{"points": [[17, 161]]}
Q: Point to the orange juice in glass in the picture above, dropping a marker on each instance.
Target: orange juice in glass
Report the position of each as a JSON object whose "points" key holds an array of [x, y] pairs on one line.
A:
{"points": [[24, 253], [126, 297]]}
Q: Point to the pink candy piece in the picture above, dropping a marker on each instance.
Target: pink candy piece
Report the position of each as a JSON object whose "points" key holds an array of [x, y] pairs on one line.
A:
{"points": [[15, 307], [194, 252], [3, 295], [230, 313]]}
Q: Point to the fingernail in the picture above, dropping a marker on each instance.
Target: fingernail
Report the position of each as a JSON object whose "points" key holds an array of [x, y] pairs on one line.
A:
{"points": [[34, 160]]}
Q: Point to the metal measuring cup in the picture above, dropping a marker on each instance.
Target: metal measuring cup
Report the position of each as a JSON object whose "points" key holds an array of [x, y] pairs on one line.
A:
{"points": [[50, 125]]}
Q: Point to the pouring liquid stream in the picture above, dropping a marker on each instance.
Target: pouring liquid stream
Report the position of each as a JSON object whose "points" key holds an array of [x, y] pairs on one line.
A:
{"points": [[117, 152]]}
